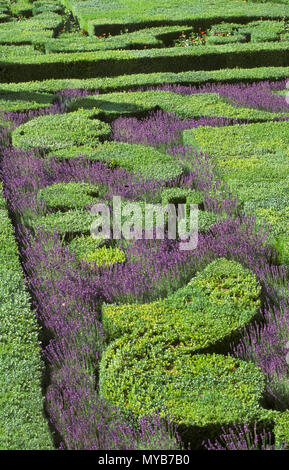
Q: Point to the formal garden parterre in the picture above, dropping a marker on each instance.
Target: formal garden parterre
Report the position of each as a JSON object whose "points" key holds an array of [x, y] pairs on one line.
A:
{"points": [[133, 344]]}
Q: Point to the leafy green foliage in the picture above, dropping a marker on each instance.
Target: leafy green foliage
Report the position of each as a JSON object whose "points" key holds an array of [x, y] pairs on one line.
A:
{"points": [[206, 313], [58, 131], [64, 196], [22, 423], [70, 223], [105, 256], [202, 392], [185, 106], [138, 158]]}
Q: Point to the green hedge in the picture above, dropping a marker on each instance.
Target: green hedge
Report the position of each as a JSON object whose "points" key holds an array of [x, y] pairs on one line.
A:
{"points": [[138, 158], [65, 196], [47, 7], [83, 244], [125, 82], [12, 51], [281, 429], [112, 63], [205, 315], [105, 256], [253, 159], [153, 37], [181, 196], [59, 131], [22, 423], [23, 101], [185, 106], [68, 224], [201, 392], [107, 16], [245, 153]]}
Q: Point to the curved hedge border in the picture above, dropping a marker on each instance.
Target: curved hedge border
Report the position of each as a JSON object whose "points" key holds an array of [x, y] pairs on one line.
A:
{"points": [[202, 392], [206, 314], [22, 422], [59, 131]]}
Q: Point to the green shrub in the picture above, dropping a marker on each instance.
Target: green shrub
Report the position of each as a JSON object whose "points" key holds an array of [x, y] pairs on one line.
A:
{"points": [[126, 82], [138, 158], [68, 224], [12, 51], [77, 42], [47, 7], [104, 16], [185, 106], [242, 141], [181, 196], [105, 256], [22, 422], [202, 392], [115, 62], [64, 196], [58, 131], [281, 429], [84, 244], [206, 314], [23, 101]]}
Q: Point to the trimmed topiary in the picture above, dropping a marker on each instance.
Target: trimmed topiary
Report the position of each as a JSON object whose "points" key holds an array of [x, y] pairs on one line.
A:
{"points": [[105, 256], [202, 392], [64, 196], [59, 131], [205, 315]]}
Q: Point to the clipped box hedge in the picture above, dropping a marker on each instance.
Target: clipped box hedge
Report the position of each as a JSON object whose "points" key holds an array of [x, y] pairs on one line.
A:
{"points": [[113, 63], [57, 131], [125, 82], [22, 422], [65, 196], [205, 315], [201, 392], [18, 101], [152, 37], [137, 158], [107, 16], [185, 106], [67, 224]]}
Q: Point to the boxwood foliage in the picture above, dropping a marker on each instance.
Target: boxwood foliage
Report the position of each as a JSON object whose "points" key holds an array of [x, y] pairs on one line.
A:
{"points": [[125, 82], [84, 244], [67, 224], [275, 213], [120, 62], [128, 82], [65, 196], [205, 315], [138, 158], [185, 106], [23, 101], [252, 158], [281, 429], [181, 196], [149, 37], [105, 256], [141, 374], [58, 131], [242, 141], [102, 16], [22, 422]]}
